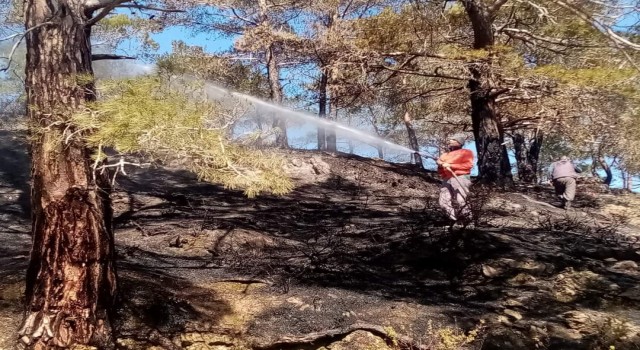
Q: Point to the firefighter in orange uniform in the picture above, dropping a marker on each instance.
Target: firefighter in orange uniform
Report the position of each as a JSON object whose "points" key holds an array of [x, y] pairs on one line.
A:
{"points": [[454, 168]]}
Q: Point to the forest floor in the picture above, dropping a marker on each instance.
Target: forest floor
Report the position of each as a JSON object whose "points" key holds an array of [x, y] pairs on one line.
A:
{"points": [[358, 256]]}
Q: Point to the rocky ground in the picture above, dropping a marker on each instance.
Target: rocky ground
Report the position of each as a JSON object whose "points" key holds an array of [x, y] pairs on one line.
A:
{"points": [[357, 257]]}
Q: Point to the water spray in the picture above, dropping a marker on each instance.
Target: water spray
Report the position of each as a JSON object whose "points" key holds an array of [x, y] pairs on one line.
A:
{"points": [[287, 113], [220, 94]]}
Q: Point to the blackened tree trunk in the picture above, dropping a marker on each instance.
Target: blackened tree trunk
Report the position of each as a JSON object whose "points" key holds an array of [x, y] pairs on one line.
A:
{"points": [[527, 156], [413, 139], [71, 280], [322, 109], [273, 72], [493, 159]]}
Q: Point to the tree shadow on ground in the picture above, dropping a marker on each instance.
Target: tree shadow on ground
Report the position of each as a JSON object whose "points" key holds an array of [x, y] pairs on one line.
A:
{"points": [[339, 234], [15, 165], [157, 305]]}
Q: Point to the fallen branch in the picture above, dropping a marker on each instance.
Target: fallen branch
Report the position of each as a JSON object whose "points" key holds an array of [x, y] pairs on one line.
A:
{"points": [[538, 202], [244, 281], [403, 342]]}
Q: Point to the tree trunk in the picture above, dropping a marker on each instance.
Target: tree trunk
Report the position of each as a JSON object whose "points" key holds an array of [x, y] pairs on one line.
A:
{"points": [[607, 170], [71, 280], [527, 157], [493, 158], [627, 181], [534, 152], [332, 145], [481, 23], [322, 109], [413, 139], [273, 72], [380, 134]]}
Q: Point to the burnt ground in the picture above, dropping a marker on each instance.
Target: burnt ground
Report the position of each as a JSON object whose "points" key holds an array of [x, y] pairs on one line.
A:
{"points": [[359, 240]]}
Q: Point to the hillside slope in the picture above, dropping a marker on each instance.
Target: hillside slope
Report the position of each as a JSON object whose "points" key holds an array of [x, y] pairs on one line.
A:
{"points": [[358, 254]]}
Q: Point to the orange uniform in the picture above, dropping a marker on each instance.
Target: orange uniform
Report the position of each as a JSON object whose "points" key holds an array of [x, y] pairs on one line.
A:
{"points": [[460, 161]]}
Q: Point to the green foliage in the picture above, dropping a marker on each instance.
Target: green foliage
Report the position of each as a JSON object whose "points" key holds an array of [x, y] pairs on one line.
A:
{"points": [[147, 116], [571, 28], [588, 77], [452, 338], [629, 144], [116, 22], [231, 74], [384, 32]]}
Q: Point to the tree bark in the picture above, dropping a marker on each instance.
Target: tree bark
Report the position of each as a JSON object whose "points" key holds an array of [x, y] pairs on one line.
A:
{"points": [[493, 158], [380, 134], [71, 280], [481, 23], [322, 109], [273, 75], [534, 152], [607, 169], [413, 139], [332, 145], [527, 156], [627, 183], [273, 72]]}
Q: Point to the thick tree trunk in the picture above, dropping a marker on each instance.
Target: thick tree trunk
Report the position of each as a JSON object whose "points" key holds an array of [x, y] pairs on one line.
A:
{"points": [[71, 279], [493, 158], [481, 23], [413, 139], [322, 109], [527, 157], [273, 72]]}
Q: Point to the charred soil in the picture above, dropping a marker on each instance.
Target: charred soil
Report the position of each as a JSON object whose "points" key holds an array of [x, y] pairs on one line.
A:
{"points": [[358, 256]]}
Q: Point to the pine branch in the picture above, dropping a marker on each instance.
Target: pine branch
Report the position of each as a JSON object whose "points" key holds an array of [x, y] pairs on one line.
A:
{"points": [[435, 74], [493, 9], [619, 42], [550, 40], [106, 10], [103, 56], [151, 8], [238, 16]]}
